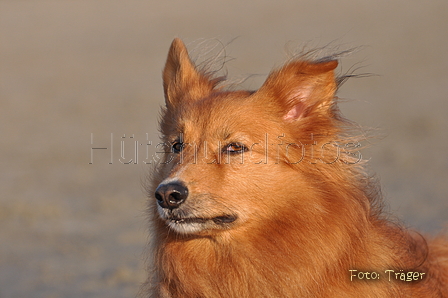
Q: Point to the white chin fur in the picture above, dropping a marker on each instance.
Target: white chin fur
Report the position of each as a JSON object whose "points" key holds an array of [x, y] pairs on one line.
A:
{"points": [[185, 228]]}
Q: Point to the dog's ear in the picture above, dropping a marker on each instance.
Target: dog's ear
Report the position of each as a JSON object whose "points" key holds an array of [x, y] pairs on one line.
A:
{"points": [[181, 80], [301, 87]]}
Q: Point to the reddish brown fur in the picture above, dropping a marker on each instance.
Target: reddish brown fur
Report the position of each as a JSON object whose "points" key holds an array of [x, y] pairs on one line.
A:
{"points": [[303, 218]]}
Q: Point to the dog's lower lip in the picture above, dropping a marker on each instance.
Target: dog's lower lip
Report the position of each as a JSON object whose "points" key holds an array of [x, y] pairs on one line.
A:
{"points": [[180, 220]]}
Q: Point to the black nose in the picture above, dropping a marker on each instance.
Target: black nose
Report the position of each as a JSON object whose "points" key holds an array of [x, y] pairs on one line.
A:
{"points": [[171, 195]]}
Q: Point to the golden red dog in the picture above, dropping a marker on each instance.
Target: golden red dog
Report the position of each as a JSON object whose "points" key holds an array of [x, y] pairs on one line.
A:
{"points": [[263, 194]]}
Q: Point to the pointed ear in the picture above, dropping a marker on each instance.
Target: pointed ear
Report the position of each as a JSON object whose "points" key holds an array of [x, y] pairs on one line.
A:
{"points": [[181, 80], [301, 87]]}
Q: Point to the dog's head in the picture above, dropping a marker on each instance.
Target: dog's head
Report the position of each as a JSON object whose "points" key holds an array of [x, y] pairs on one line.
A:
{"points": [[235, 158]]}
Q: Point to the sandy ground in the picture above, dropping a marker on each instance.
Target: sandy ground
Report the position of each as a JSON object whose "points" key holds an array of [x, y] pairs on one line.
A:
{"points": [[70, 70]]}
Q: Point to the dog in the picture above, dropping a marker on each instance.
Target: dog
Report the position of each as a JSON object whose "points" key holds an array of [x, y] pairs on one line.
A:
{"points": [[264, 194]]}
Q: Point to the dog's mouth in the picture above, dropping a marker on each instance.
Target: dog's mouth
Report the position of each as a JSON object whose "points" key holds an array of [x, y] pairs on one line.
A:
{"points": [[219, 220], [197, 220]]}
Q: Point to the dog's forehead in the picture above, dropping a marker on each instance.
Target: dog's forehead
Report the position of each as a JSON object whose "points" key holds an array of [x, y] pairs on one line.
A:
{"points": [[218, 115]]}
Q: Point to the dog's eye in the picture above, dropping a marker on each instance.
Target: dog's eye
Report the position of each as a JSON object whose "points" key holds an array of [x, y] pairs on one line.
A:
{"points": [[234, 148], [177, 147]]}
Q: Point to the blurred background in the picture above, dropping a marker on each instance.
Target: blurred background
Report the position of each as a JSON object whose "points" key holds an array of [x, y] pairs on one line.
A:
{"points": [[78, 74]]}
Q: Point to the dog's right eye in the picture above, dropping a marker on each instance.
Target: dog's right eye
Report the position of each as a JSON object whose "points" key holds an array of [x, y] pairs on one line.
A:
{"points": [[234, 148], [177, 147]]}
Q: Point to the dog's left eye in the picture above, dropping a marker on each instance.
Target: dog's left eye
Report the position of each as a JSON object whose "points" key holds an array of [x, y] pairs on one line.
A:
{"points": [[177, 147], [234, 148]]}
